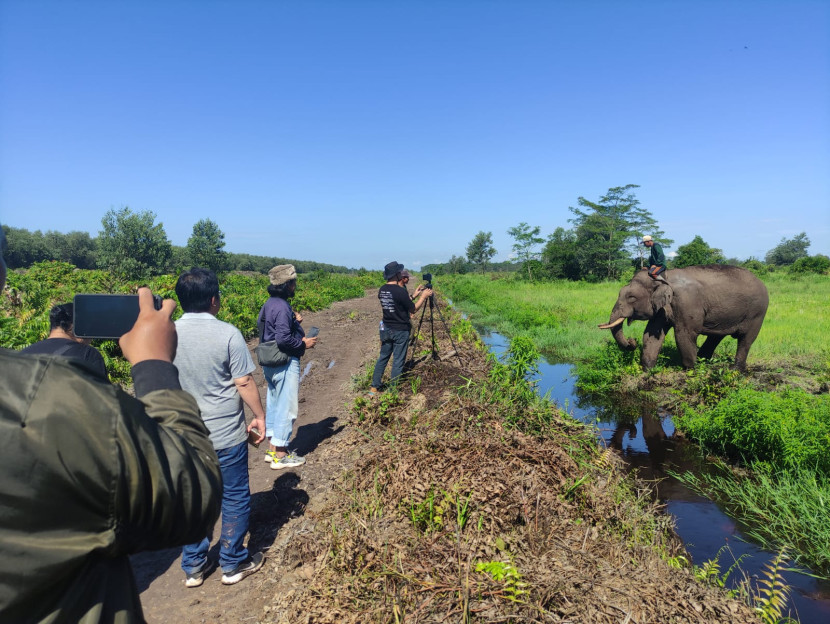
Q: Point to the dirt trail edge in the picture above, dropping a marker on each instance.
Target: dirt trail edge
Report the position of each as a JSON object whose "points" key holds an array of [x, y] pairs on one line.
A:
{"points": [[348, 339]]}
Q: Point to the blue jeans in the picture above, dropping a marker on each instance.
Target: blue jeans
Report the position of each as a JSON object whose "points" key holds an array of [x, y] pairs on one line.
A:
{"points": [[393, 342], [236, 511], [281, 401]]}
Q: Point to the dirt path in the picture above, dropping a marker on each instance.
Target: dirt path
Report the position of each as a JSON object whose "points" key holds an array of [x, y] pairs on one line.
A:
{"points": [[348, 340]]}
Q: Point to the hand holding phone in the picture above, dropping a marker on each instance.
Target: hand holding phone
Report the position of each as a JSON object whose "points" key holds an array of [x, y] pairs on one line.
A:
{"points": [[106, 316], [153, 337]]}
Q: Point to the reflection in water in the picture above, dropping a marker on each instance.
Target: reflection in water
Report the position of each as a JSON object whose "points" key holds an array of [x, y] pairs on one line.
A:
{"points": [[646, 439]]}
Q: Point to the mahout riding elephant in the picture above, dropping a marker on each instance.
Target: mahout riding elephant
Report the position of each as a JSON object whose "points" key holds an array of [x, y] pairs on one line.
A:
{"points": [[714, 300]]}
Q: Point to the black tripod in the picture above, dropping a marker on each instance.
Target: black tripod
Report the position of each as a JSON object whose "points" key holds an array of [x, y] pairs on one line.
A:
{"points": [[431, 305]]}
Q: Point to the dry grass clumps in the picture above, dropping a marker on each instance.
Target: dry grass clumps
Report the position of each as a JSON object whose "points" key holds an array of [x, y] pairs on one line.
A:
{"points": [[455, 512]]}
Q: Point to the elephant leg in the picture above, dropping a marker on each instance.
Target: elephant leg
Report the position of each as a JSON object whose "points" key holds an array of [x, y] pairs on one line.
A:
{"points": [[745, 341], [707, 349], [687, 345], [653, 339]]}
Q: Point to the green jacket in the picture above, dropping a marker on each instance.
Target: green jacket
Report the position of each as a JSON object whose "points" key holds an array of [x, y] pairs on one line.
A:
{"points": [[88, 475], [657, 257]]}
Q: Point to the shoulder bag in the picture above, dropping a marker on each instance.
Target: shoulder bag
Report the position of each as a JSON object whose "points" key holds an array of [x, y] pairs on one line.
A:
{"points": [[268, 353]]}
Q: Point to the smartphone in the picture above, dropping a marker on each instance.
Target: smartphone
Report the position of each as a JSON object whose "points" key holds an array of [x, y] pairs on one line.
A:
{"points": [[106, 316], [312, 332], [253, 436]]}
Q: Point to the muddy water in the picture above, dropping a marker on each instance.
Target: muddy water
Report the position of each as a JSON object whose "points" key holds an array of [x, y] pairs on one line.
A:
{"points": [[644, 437]]}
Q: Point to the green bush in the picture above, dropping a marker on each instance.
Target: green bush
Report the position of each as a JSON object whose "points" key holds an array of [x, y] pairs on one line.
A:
{"points": [[819, 264], [789, 430]]}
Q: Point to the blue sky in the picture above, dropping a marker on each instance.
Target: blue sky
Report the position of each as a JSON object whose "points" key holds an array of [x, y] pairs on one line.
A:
{"points": [[357, 132]]}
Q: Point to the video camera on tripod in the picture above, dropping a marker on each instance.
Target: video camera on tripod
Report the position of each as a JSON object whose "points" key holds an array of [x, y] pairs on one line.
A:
{"points": [[427, 279]]}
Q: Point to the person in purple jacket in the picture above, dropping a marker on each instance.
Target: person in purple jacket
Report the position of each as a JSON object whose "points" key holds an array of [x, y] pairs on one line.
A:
{"points": [[280, 323]]}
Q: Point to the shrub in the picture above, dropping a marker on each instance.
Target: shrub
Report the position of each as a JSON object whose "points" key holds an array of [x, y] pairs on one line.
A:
{"points": [[812, 264]]}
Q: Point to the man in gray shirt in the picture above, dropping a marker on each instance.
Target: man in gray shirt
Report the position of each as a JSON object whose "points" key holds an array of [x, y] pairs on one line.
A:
{"points": [[215, 367]]}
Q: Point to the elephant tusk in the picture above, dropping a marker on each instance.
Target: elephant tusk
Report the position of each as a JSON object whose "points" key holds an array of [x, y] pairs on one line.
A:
{"points": [[619, 321]]}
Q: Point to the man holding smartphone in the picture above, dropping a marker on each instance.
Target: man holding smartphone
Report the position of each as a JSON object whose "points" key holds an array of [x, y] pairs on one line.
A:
{"points": [[216, 367], [90, 474]]}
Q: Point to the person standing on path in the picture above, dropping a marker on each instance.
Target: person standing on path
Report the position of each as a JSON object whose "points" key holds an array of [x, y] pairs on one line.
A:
{"points": [[398, 310], [216, 368], [278, 322]]}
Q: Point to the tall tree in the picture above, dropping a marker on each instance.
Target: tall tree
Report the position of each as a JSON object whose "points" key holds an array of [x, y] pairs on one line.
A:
{"points": [[456, 264], [77, 248], [697, 252], [206, 246], [559, 255], [25, 247], [527, 240], [609, 230], [132, 245], [480, 250], [788, 251]]}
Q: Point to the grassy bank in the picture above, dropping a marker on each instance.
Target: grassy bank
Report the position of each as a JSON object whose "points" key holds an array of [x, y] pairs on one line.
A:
{"points": [[474, 500], [31, 294], [777, 433], [783, 439]]}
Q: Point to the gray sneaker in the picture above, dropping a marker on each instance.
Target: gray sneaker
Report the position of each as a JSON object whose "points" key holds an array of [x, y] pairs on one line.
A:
{"points": [[289, 461], [246, 568]]}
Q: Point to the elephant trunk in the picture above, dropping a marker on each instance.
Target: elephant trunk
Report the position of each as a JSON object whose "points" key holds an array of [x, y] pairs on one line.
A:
{"points": [[615, 325]]}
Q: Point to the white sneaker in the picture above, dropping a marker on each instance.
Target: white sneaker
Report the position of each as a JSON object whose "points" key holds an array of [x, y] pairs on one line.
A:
{"points": [[246, 568], [289, 461]]}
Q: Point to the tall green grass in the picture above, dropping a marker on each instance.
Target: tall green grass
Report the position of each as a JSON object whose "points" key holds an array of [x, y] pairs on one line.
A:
{"points": [[562, 317]]}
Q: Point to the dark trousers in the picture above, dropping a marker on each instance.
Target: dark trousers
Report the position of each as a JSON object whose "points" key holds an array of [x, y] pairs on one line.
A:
{"points": [[655, 270], [393, 343]]}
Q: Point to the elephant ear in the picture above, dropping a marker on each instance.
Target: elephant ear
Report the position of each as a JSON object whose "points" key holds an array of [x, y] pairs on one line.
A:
{"points": [[661, 299]]}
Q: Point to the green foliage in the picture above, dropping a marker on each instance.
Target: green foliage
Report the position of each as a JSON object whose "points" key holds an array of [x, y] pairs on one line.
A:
{"points": [[697, 252], [32, 293], [132, 245], [789, 250], [559, 256], [24, 248], [609, 231], [777, 509], [819, 264], [607, 367], [527, 239], [789, 429], [480, 250], [506, 573], [756, 266], [206, 246], [440, 509]]}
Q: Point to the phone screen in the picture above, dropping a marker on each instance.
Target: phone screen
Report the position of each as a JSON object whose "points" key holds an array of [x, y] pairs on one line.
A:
{"points": [[312, 332], [104, 316]]}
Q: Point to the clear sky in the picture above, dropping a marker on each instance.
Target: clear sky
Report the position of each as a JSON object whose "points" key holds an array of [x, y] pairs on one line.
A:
{"points": [[356, 132]]}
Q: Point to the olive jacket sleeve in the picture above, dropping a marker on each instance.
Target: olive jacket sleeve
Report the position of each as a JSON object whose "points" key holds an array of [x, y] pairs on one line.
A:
{"points": [[88, 475]]}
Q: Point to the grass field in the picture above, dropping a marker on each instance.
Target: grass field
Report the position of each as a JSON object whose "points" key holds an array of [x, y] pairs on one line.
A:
{"points": [[562, 317]]}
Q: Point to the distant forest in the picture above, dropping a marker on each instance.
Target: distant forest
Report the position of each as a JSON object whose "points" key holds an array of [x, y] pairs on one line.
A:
{"points": [[133, 246]]}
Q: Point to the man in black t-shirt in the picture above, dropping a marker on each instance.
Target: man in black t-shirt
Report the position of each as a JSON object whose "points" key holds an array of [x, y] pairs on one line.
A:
{"points": [[62, 341], [398, 309]]}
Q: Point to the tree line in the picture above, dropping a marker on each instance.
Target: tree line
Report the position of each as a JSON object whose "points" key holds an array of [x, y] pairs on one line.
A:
{"points": [[132, 245], [604, 243]]}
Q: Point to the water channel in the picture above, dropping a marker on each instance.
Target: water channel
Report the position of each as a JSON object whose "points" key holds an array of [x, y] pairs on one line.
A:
{"points": [[646, 441]]}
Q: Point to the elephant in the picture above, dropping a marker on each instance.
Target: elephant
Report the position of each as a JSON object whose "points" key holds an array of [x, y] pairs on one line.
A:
{"points": [[714, 300]]}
